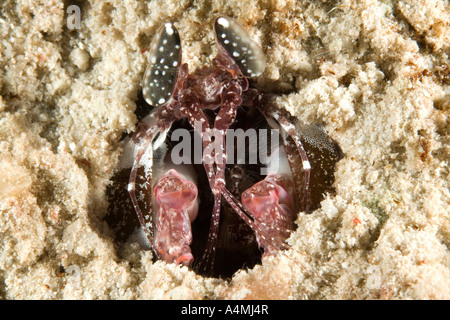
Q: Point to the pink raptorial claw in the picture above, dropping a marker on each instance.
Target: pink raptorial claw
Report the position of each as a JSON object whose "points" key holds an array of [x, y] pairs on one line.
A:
{"points": [[271, 206], [185, 259], [176, 206]]}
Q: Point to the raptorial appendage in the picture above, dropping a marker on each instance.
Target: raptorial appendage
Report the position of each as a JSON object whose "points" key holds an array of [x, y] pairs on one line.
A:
{"points": [[176, 206], [271, 204]]}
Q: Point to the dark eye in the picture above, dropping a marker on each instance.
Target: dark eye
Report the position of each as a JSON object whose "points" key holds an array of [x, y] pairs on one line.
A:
{"points": [[164, 59], [244, 51]]}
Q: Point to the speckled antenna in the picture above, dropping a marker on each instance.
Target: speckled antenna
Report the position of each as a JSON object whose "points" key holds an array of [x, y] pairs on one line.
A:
{"points": [[165, 57], [244, 51]]}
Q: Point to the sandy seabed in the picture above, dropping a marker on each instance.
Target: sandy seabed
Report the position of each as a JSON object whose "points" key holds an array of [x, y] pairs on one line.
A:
{"points": [[375, 73]]}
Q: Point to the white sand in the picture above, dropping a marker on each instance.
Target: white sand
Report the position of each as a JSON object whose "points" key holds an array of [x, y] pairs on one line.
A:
{"points": [[375, 73]]}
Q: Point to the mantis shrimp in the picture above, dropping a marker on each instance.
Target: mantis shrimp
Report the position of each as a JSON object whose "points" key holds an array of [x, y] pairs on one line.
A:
{"points": [[163, 180]]}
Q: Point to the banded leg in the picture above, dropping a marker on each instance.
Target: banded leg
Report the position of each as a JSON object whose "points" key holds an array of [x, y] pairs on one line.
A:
{"points": [[225, 117], [200, 123], [289, 128]]}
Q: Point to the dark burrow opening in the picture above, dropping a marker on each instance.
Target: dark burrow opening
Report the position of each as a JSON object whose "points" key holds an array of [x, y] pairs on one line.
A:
{"points": [[236, 247]]}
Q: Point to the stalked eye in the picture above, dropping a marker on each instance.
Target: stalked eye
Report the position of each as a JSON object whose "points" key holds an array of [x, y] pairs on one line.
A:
{"points": [[244, 51], [165, 57]]}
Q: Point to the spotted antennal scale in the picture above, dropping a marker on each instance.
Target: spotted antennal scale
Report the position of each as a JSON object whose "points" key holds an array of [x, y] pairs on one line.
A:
{"points": [[165, 57], [244, 51]]}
